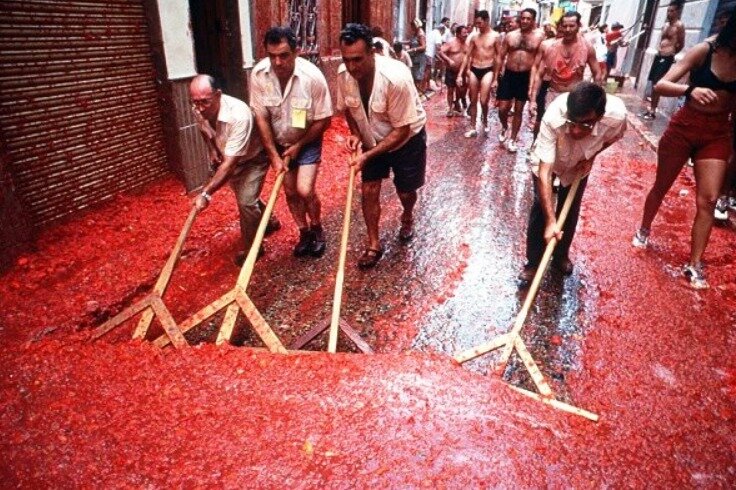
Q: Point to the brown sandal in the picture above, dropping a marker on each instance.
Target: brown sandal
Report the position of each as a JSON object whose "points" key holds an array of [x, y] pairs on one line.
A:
{"points": [[370, 258]]}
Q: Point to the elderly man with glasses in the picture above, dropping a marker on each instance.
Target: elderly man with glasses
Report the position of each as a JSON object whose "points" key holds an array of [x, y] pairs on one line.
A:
{"points": [[576, 127], [236, 153]]}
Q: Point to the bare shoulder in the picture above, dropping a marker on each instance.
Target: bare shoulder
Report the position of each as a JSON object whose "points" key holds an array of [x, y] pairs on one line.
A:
{"points": [[547, 43], [698, 51]]}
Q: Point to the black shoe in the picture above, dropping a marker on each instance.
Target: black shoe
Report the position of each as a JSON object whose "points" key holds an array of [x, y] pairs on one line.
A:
{"points": [[527, 275], [274, 224], [563, 265], [304, 246], [318, 242]]}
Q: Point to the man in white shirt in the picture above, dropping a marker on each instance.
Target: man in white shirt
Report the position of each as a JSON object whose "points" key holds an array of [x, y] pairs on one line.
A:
{"points": [[292, 106], [386, 119], [434, 44], [576, 127], [226, 124]]}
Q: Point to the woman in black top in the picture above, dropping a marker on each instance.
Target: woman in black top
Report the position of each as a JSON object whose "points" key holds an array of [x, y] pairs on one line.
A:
{"points": [[701, 130]]}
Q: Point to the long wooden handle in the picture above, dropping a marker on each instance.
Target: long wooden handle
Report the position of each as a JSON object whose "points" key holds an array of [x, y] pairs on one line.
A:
{"points": [[541, 269], [250, 260], [163, 279], [340, 278]]}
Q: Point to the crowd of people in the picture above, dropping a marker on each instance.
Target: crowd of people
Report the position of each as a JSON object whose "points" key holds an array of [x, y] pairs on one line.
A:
{"points": [[381, 88]]}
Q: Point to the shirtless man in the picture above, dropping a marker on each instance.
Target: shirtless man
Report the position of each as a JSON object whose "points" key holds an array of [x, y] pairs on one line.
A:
{"points": [[482, 47], [563, 60], [672, 42], [516, 56], [453, 53]]}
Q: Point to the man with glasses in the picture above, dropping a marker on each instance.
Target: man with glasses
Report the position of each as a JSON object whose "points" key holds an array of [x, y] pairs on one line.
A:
{"points": [[292, 107], [236, 153], [576, 127]]}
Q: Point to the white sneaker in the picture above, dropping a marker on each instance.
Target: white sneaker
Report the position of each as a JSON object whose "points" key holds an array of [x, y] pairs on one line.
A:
{"points": [[721, 211], [732, 203], [502, 136], [471, 133], [511, 146], [641, 238], [696, 276]]}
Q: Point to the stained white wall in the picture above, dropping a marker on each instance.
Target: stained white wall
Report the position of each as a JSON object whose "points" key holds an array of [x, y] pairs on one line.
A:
{"points": [[177, 38], [246, 33]]}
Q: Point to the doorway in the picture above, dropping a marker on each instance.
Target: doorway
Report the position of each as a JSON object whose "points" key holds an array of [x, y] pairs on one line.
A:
{"points": [[355, 11], [217, 48]]}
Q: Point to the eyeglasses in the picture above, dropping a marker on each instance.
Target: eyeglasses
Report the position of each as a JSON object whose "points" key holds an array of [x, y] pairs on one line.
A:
{"points": [[203, 102], [587, 126]]}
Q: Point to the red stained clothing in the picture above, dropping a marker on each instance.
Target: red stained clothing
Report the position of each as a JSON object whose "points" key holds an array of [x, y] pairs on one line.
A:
{"points": [[697, 135], [612, 36]]}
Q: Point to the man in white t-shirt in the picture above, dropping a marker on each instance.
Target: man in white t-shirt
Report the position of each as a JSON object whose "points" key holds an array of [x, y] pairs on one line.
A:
{"points": [[434, 43], [576, 127], [386, 119]]}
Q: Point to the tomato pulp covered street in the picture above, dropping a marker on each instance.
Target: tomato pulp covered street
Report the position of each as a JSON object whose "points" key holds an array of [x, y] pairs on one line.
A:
{"points": [[623, 337]]}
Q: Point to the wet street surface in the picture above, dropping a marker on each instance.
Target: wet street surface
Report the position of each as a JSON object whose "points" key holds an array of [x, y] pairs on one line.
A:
{"points": [[622, 336]]}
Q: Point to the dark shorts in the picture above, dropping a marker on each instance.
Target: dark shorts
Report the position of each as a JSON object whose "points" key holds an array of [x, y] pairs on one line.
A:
{"points": [[310, 154], [419, 64], [695, 135], [409, 164], [450, 78], [480, 72], [611, 60], [660, 66], [514, 85]]}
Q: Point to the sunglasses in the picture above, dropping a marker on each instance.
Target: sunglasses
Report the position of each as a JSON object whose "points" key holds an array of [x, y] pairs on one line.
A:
{"points": [[587, 126]]}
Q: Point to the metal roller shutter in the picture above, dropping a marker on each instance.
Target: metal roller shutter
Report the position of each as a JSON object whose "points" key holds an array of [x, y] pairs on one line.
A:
{"points": [[78, 105]]}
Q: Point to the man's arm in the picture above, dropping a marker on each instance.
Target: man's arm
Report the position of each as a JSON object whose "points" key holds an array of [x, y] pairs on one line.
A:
{"points": [[536, 75], [595, 69], [353, 144], [264, 128], [680, 39], [390, 142], [545, 200], [441, 53], [314, 131], [222, 174], [210, 138], [465, 66], [500, 59]]}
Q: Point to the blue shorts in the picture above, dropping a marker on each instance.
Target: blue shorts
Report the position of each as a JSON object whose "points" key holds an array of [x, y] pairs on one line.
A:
{"points": [[310, 154]]}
